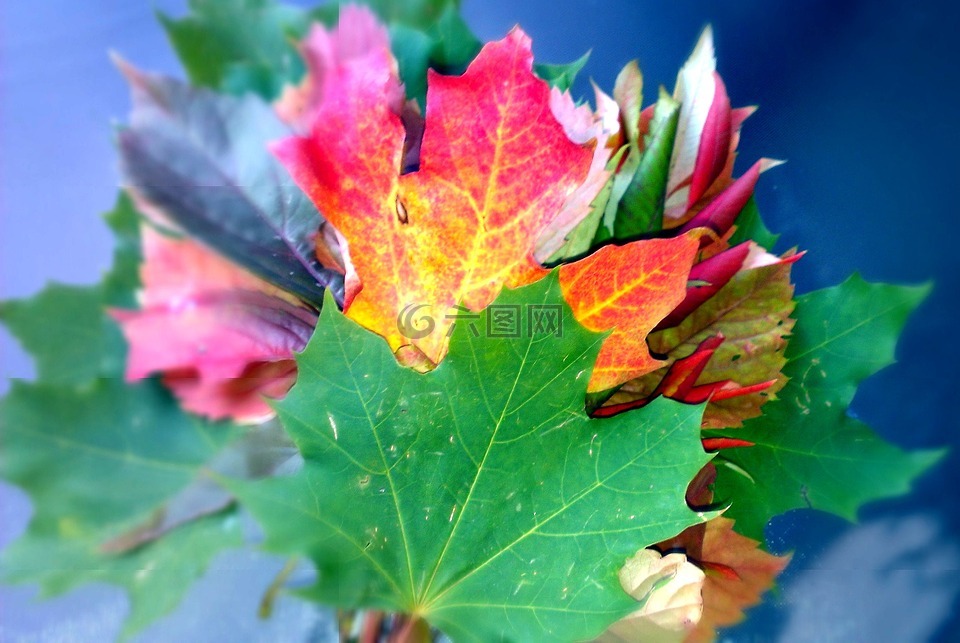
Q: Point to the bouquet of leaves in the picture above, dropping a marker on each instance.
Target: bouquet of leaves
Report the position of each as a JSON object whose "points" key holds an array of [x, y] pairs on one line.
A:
{"points": [[493, 362]]}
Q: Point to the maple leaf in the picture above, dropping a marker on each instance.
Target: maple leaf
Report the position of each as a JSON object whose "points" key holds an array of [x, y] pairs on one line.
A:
{"points": [[97, 458], [358, 35], [424, 35], [627, 290], [445, 480], [804, 441], [77, 348], [495, 169], [222, 336], [738, 573], [94, 462], [239, 45]]}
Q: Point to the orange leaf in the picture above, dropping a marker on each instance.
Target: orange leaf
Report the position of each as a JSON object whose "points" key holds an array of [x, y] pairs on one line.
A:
{"points": [[495, 169], [738, 573], [629, 289]]}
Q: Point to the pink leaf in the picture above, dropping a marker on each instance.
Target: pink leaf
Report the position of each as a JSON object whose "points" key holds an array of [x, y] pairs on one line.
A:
{"points": [[205, 322]]}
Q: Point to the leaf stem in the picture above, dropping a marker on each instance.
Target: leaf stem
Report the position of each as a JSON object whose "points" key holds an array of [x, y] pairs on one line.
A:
{"points": [[412, 629], [270, 596]]}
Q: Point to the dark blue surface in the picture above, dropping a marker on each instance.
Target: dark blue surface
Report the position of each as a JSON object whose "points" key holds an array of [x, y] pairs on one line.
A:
{"points": [[862, 99]]}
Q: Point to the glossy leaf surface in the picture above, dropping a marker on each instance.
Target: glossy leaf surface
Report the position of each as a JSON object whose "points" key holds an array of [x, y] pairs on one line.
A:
{"points": [[478, 496]]}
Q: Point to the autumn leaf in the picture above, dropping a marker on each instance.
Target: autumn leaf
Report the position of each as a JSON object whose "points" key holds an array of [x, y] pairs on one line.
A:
{"points": [[628, 94], [195, 161], [445, 480], [358, 34], [222, 337], [738, 572], [424, 34], [752, 314], [495, 169], [627, 290], [703, 132], [602, 130], [708, 132]]}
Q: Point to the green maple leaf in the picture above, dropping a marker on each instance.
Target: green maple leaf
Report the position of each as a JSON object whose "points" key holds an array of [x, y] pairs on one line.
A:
{"points": [[240, 45], [809, 452], [96, 461], [77, 347], [99, 458], [564, 75], [478, 496]]}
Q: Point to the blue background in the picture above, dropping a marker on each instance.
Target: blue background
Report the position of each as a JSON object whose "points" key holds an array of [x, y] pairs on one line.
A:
{"points": [[860, 96]]}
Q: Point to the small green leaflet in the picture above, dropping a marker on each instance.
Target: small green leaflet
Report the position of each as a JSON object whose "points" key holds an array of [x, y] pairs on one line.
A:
{"points": [[809, 452], [751, 227], [640, 209], [478, 496], [562, 76]]}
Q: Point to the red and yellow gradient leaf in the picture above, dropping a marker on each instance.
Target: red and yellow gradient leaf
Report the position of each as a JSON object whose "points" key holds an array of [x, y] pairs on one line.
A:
{"points": [[628, 289], [495, 169]]}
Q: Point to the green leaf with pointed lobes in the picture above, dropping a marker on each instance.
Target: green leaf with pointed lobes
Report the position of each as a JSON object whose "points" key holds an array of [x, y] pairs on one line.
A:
{"points": [[98, 458], [809, 452], [562, 76], [75, 348], [239, 45], [95, 462], [478, 496]]}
